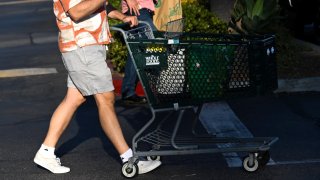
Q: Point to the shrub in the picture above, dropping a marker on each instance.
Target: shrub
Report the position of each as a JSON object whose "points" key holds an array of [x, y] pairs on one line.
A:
{"points": [[254, 16], [117, 50], [200, 19]]}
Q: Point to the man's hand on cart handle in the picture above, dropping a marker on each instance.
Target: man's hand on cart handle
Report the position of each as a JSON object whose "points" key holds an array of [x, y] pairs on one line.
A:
{"points": [[116, 14], [132, 20], [133, 6]]}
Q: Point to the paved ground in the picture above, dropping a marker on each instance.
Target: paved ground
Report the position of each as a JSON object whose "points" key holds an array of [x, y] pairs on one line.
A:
{"points": [[27, 41]]}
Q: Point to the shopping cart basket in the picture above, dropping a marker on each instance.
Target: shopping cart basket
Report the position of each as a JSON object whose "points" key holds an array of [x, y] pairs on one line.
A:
{"points": [[186, 72]]}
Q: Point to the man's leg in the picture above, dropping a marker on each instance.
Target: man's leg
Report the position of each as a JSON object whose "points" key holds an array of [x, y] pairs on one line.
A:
{"points": [[111, 126], [62, 116], [109, 121], [60, 119]]}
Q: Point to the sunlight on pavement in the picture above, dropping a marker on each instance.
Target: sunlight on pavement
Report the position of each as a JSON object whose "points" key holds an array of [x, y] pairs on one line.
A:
{"points": [[26, 72]]}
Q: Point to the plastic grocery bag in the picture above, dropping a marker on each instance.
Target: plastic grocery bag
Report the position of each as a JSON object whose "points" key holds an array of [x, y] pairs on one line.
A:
{"points": [[166, 11]]}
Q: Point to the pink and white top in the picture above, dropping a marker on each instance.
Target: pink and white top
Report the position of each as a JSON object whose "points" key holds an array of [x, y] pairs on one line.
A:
{"points": [[142, 4]]}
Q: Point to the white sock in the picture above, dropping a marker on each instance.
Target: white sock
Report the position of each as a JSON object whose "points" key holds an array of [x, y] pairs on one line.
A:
{"points": [[46, 150], [125, 156]]}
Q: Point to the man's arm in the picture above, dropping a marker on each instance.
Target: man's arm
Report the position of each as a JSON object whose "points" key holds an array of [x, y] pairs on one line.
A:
{"points": [[84, 9], [115, 14]]}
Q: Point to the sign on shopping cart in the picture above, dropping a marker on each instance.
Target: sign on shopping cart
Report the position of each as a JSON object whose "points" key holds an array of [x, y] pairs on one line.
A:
{"points": [[153, 56]]}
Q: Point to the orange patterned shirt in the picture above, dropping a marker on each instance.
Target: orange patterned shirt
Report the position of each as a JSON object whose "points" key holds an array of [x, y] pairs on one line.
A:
{"points": [[93, 30]]}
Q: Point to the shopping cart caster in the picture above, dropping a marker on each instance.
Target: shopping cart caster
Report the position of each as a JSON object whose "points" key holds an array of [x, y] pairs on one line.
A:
{"points": [[153, 158], [250, 163], [129, 171], [255, 160]]}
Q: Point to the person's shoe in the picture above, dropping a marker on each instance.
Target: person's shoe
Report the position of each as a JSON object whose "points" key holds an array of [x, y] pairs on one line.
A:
{"points": [[134, 99], [52, 163], [147, 166]]}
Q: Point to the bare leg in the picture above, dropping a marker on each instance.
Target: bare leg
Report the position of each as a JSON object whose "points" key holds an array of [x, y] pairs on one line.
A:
{"points": [[109, 121], [62, 116]]}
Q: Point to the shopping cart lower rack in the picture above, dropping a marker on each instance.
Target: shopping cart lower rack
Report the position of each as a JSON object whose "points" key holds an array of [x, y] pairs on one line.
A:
{"points": [[184, 73]]}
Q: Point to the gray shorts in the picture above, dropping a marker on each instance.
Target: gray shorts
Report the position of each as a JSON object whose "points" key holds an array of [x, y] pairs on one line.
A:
{"points": [[88, 70]]}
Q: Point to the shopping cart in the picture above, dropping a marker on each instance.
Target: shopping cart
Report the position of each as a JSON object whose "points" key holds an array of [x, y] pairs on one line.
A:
{"points": [[182, 73]]}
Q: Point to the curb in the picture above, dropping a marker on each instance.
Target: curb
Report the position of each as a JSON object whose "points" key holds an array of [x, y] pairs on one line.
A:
{"points": [[311, 84]]}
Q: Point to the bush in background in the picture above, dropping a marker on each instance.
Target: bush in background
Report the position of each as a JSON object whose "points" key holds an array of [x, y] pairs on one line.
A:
{"points": [[117, 50], [200, 19], [254, 16]]}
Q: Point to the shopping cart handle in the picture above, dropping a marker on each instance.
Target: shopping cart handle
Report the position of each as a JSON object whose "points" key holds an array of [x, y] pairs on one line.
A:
{"points": [[125, 27]]}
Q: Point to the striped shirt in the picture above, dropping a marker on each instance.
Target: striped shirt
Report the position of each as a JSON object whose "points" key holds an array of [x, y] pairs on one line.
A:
{"points": [[91, 31]]}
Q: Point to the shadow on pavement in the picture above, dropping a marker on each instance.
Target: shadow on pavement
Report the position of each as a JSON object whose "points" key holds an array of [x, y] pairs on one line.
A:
{"points": [[87, 120], [89, 127], [131, 118]]}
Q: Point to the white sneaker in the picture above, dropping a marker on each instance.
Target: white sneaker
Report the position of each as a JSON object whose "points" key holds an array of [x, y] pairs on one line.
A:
{"points": [[147, 166], [52, 163]]}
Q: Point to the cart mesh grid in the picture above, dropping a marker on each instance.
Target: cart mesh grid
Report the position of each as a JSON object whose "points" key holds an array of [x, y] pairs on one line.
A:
{"points": [[204, 68], [184, 73]]}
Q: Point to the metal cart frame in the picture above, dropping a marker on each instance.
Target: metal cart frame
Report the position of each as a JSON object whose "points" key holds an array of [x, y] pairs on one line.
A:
{"points": [[165, 143]]}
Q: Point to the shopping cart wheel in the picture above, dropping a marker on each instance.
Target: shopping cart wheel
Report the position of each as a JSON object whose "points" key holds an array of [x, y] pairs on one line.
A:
{"points": [[250, 163], [129, 172], [263, 157], [153, 158]]}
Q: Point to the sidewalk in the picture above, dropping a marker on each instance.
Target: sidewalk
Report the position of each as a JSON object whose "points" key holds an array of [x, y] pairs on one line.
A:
{"points": [[299, 85], [308, 84]]}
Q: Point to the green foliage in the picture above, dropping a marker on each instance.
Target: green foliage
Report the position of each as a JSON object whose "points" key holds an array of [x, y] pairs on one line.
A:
{"points": [[118, 53], [117, 5], [254, 16], [200, 19], [117, 50]]}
